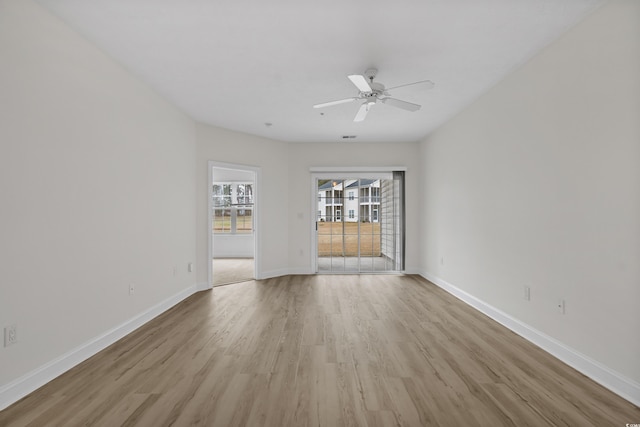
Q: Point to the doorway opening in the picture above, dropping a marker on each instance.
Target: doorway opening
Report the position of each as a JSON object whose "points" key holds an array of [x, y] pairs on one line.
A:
{"points": [[233, 194], [359, 226]]}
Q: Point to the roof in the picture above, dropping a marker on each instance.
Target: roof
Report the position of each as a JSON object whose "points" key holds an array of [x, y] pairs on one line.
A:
{"points": [[363, 183], [355, 184]]}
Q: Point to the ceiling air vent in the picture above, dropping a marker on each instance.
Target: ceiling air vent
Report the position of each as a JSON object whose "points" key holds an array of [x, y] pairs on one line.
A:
{"points": [[348, 136]]}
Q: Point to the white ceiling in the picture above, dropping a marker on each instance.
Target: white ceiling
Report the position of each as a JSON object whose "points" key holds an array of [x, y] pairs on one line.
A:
{"points": [[239, 64]]}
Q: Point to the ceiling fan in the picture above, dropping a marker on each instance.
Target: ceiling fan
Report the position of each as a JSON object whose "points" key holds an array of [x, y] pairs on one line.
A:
{"points": [[372, 92]]}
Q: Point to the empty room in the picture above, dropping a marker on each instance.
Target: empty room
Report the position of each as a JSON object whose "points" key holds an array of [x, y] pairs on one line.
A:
{"points": [[286, 213]]}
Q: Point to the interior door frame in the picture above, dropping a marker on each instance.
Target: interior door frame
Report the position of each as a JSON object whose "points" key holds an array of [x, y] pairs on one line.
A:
{"points": [[257, 173], [327, 172]]}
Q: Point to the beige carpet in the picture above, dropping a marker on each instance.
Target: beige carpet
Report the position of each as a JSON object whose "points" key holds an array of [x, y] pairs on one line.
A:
{"points": [[232, 270]]}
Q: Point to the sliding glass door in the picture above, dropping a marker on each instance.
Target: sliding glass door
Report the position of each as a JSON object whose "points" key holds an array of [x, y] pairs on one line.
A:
{"points": [[360, 224]]}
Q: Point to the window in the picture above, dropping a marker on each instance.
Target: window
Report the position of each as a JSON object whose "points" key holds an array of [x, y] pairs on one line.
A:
{"points": [[352, 214], [233, 208], [221, 195], [244, 193], [338, 215], [375, 194], [222, 208], [351, 197], [244, 206], [337, 197]]}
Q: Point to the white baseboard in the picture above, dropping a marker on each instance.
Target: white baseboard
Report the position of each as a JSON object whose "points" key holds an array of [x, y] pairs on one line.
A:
{"points": [[20, 387], [305, 271], [275, 273], [202, 286], [300, 271], [612, 380]]}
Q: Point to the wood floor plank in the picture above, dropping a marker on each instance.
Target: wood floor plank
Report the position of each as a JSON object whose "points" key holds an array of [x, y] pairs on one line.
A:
{"points": [[327, 351], [404, 410], [126, 412]]}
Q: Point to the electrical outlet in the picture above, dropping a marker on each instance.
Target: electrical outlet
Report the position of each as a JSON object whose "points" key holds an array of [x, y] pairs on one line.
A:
{"points": [[561, 307], [10, 335], [132, 289], [527, 293]]}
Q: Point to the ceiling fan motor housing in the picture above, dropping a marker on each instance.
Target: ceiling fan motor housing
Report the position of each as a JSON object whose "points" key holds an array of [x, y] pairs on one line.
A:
{"points": [[377, 88]]}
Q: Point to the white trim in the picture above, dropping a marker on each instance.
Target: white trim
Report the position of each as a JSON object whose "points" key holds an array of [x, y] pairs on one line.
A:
{"points": [[357, 169], [203, 286], [20, 387], [352, 175], [281, 272], [299, 271], [612, 380], [313, 250], [257, 172], [210, 225], [275, 273]]}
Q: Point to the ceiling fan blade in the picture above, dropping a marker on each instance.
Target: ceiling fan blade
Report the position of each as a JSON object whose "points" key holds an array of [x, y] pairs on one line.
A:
{"points": [[362, 112], [330, 103], [360, 82], [401, 104], [422, 84]]}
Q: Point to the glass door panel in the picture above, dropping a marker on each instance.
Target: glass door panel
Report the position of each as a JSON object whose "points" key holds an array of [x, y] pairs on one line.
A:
{"points": [[358, 225]]}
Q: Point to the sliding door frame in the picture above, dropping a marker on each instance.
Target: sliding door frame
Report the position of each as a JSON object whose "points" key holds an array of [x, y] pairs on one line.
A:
{"points": [[322, 172]]}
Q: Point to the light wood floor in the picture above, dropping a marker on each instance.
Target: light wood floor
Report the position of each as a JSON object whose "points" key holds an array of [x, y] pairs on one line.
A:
{"points": [[324, 351], [232, 270]]}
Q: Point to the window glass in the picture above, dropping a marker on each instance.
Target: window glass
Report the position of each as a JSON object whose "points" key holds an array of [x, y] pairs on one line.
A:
{"points": [[232, 208]]}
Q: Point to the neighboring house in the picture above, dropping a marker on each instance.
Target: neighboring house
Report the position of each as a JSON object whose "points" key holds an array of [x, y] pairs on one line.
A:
{"points": [[350, 200], [367, 200]]}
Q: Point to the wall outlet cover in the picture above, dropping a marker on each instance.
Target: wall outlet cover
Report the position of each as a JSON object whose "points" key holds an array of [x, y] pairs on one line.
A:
{"points": [[10, 335], [561, 307]]}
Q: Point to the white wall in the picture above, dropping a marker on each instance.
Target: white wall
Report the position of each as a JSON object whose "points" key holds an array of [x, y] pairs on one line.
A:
{"points": [[97, 190], [271, 156], [538, 184], [233, 245], [346, 154]]}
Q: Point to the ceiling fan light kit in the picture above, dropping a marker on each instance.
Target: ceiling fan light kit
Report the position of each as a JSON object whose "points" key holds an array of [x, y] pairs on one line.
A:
{"points": [[371, 92]]}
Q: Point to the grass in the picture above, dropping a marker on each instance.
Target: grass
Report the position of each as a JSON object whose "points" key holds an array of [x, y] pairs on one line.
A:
{"points": [[222, 224], [333, 240]]}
